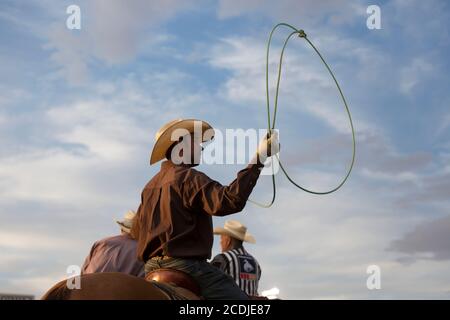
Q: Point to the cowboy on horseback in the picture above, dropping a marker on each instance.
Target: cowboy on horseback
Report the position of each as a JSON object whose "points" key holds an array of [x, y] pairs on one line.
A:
{"points": [[173, 225]]}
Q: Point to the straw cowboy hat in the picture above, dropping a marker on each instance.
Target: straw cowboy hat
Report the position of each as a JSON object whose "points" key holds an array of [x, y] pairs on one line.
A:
{"points": [[127, 222], [163, 138], [236, 230]]}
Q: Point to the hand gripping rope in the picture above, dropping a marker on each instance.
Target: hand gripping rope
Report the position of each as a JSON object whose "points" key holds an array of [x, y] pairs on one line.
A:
{"points": [[271, 126]]}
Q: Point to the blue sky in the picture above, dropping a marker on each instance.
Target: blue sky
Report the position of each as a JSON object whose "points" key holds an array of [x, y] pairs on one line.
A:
{"points": [[79, 110]]}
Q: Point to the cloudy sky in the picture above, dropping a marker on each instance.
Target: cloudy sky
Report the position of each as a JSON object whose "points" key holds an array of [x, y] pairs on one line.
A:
{"points": [[79, 110]]}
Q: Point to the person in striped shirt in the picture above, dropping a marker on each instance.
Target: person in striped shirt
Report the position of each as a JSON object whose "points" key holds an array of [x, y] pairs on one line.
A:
{"points": [[234, 260]]}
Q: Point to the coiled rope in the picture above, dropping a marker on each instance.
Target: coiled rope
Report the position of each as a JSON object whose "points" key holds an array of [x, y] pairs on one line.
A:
{"points": [[271, 125]]}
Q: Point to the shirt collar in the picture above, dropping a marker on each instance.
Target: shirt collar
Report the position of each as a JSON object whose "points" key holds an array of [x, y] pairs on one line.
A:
{"points": [[167, 164]]}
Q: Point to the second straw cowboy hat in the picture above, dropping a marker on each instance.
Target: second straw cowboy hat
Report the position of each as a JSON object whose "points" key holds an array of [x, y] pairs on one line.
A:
{"points": [[127, 222], [164, 139], [235, 229]]}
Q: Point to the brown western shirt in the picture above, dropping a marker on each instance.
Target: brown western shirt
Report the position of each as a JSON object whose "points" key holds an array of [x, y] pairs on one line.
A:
{"points": [[114, 254], [175, 215]]}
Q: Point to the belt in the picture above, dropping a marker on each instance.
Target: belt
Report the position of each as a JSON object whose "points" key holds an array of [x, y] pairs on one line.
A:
{"points": [[159, 258]]}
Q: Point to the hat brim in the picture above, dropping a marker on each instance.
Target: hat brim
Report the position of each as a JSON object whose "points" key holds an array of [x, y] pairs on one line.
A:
{"points": [[165, 140], [123, 226], [247, 238]]}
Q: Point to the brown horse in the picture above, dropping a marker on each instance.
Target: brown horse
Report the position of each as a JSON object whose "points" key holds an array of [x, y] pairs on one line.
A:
{"points": [[116, 286]]}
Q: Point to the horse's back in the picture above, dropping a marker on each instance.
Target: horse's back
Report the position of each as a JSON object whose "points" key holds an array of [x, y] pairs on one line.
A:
{"points": [[107, 286]]}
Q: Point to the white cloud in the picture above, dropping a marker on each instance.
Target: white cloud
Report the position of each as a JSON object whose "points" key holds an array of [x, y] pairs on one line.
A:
{"points": [[390, 177], [325, 245], [69, 54], [100, 128], [10, 95], [50, 175], [403, 16], [305, 84], [118, 27], [34, 285], [414, 74], [309, 12], [26, 240], [112, 32], [443, 126]]}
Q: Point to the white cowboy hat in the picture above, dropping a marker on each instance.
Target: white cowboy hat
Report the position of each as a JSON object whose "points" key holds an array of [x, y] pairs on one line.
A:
{"points": [[164, 139], [127, 222], [235, 229]]}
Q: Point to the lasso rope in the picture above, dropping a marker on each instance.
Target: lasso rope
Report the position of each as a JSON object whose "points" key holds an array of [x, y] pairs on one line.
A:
{"points": [[271, 125]]}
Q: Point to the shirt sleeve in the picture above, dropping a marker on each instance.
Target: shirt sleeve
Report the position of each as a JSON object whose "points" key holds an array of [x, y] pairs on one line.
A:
{"points": [[87, 262], [220, 262], [205, 194]]}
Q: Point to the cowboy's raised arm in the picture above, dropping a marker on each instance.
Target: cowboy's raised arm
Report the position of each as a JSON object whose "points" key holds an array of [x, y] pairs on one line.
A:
{"points": [[203, 193], [207, 195]]}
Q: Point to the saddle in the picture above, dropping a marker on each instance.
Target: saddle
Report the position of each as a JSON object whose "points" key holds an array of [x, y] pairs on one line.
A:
{"points": [[177, 284]]}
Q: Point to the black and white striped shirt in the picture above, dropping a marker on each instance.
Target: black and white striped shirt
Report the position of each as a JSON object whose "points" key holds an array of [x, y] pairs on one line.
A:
{"points": [[242, 267]]}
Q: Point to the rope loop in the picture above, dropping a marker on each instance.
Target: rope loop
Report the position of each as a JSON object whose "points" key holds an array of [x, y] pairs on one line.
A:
{"points": [[271, 124]]}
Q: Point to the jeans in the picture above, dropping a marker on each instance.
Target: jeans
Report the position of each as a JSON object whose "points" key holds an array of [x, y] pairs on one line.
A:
{"points": [[214, 284]]}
